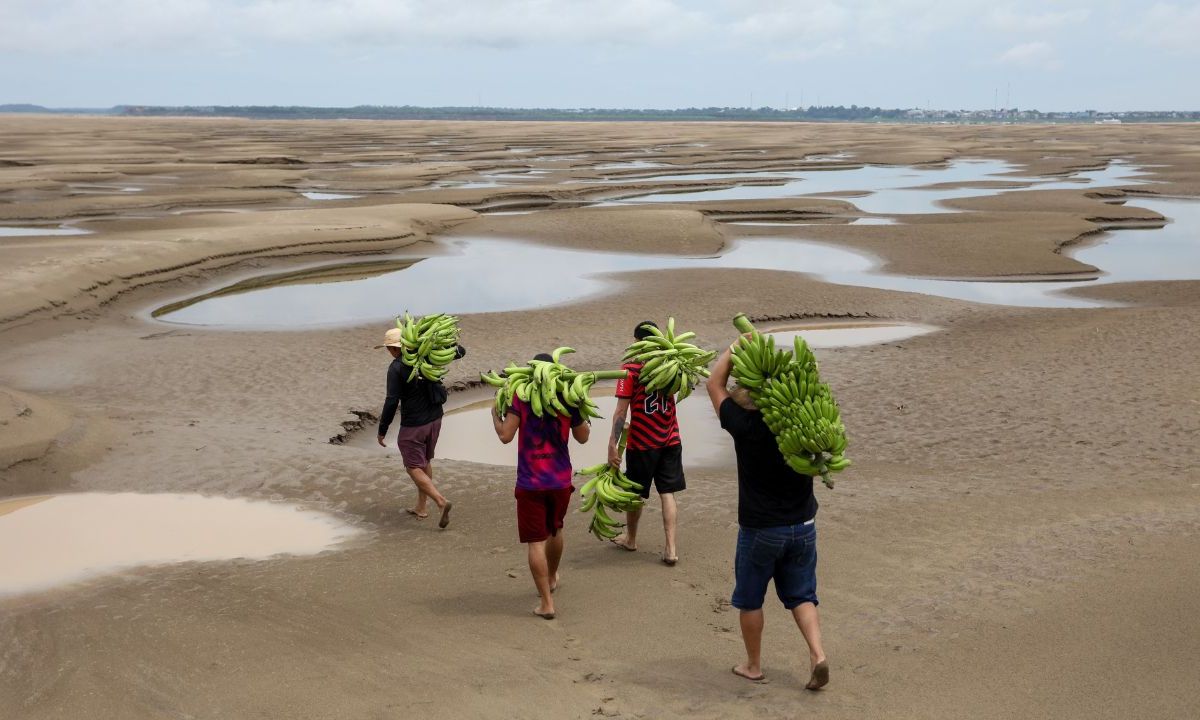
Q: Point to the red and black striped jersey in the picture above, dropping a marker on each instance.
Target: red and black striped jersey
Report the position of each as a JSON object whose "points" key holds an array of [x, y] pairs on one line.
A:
{"points": [[652, 421]]}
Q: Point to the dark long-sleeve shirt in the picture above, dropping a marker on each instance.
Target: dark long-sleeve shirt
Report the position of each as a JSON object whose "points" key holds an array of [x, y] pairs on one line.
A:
{"points": [[419, 400]]}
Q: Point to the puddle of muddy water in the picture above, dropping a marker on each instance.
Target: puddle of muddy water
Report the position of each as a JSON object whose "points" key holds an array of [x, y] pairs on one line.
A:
{"points": [[849, 334], [41, 231], [52, 541], [327, 196]]}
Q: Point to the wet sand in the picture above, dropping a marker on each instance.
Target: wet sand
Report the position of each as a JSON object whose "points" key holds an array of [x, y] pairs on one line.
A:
{"points": [[1017, 535]]}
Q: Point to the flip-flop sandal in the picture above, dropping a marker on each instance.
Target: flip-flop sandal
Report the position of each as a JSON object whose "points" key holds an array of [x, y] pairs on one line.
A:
{"points": [[445, 515], [670, 562], [820, 677], [417, 515], [623, 546], [544, 616], [760, 679]]}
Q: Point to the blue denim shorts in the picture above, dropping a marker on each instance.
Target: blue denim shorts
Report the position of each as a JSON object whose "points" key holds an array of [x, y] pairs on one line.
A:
{"points": [[787, 554]]}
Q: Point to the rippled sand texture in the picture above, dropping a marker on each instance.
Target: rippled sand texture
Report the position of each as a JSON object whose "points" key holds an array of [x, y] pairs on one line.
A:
{"points": [[1017, 536]]}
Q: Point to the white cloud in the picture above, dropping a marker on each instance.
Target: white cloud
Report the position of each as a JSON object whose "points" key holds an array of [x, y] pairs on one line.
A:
{"points": [[1010, 19], [75, 25], [1031, 55], [1168, 25]]}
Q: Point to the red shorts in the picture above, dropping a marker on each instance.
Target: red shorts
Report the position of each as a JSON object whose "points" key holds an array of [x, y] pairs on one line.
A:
{"points": [[540, 513], [417, 443]]}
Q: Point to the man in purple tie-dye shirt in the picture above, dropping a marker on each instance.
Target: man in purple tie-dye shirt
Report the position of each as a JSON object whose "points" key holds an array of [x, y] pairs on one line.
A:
{"points": [[543, 487]]}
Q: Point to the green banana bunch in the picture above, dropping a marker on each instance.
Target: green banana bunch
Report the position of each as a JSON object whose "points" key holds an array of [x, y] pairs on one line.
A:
{"points": [[548, 386], [798, 408], [608, 489], [670, 364], [430, 344]]}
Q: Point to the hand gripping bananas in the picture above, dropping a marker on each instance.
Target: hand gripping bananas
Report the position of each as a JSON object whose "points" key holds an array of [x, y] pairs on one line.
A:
{"points": [[608, 489], [430, 344], [670, 364], [797, 407], [549, 387]]}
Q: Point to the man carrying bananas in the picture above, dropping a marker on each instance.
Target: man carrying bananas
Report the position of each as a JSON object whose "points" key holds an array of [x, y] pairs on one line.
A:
{"points": [[543, 485], [420, 402], [777, 533], [654, 452]]}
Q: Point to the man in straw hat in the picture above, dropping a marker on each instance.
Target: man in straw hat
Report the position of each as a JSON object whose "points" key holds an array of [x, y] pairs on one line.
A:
{"points": [[420, 402]]}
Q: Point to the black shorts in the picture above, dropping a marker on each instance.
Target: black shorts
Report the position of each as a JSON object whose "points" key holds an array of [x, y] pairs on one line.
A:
{"points": [[663, 466]]}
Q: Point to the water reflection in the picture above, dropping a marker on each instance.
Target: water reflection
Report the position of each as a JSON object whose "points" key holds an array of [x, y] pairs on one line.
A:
{"points": [[892, 190], [487, 275]]}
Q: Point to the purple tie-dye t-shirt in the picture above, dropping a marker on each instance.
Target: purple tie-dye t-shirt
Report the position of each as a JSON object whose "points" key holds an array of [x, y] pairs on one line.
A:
{"points": [[543, 461]]}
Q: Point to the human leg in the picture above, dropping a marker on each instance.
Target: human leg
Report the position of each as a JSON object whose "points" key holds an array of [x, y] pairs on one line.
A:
{"points": [[639, 467], [668, 477], [809, 621], [421, 508], [628, 539], [554, 551], [753, 566], [425, 487], [796, 584], [539, 568], [669, 513], [751, 622]]}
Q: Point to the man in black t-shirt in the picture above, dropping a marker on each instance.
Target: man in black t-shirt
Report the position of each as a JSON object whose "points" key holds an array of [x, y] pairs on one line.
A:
{"points": [[420, 402], [777, 536]]}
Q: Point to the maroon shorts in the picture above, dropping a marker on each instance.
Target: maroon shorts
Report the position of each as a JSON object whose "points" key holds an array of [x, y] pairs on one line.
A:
{"points": [[540, 513], [417, 443]]}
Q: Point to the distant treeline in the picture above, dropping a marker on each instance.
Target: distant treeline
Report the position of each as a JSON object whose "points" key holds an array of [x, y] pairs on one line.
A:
{"points": [[853, 113]]}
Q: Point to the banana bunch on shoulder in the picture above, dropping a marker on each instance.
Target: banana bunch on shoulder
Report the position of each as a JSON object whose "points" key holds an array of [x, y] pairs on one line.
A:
{"points": [[608, 489], [549, 387], [798, 408], [430, 344], [670, 364]]}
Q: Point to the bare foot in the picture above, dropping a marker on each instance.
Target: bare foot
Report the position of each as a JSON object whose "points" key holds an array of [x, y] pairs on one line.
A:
{"points": [[554, 585], [669, 560], [741, 671], [445, 514], [543, 614], [820, 676], [622, 542], [416, 513]]}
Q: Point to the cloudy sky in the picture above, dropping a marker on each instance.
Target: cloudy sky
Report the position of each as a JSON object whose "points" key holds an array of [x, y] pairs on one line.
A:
{"points": [[1047, 54]]}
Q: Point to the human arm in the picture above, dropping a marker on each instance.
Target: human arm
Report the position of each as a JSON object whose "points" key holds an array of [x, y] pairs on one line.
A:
{"points": [[506, 429], [581, 428], [618, 427], [718, 380], [394, 385]]}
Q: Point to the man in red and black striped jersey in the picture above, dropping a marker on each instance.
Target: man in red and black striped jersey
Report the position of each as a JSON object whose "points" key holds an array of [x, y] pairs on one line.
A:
{"points": [[654, 455]]}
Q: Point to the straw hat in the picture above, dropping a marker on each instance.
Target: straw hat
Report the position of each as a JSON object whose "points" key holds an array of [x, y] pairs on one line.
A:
{"points": [[391, 338]]}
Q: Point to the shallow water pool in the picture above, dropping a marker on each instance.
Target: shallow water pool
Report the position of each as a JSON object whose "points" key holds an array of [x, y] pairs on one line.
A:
{"points": [[57, 540], [475, 277]]}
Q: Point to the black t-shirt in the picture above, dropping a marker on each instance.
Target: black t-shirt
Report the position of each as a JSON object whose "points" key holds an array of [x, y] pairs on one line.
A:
{"points": [[770, 493], [420, 401]]}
